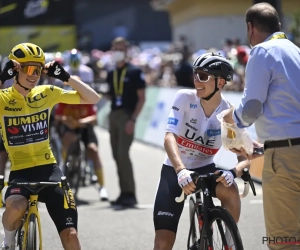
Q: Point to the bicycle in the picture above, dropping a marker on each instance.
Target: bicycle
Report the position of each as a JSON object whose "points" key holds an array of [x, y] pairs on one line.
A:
{"points": [[27, 233], [204, 214], [75, 165]]}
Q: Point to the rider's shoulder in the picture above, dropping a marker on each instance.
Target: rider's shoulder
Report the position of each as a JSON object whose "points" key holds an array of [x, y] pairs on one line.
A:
{"points": [[227, 103], [188, 93], [46, 88]]}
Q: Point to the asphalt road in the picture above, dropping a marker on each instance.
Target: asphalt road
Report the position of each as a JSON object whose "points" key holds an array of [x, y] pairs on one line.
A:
{"points": [[102, 228]]}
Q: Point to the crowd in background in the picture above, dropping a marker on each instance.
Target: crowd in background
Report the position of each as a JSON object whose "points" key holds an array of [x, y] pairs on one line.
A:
{"points": [[163, 67]]}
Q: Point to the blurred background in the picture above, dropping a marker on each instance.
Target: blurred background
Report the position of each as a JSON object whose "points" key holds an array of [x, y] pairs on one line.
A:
{"points": [[165, 35]]}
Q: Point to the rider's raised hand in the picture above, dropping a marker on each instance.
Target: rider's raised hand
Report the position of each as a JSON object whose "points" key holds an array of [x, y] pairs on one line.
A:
{"points": [[55, 70], [10, 70]]}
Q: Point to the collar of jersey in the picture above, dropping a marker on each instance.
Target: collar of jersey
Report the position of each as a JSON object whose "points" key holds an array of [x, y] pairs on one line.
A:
{"points": [[15, 93]]}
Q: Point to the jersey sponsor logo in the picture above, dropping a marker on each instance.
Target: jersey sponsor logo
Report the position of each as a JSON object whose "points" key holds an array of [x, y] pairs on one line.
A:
{"points": [[175, 108], [173, 121], [47, 156], [27, 129], [193, 145], [12, 102], [12, 109], [192, 127], [200, 139], [213, 132], [194, 121], [36, 98], [193, 106]]}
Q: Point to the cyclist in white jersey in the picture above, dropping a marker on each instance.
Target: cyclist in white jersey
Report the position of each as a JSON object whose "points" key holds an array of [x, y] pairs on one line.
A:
{"points": [[193, 137]]}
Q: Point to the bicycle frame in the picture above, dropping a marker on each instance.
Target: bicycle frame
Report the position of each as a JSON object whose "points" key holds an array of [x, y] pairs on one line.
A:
{"points": [[33, 209], [203, 208], [202, 186], [33, 203]]}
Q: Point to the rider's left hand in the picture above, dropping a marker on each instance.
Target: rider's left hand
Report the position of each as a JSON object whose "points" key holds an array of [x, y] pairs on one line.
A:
{"points": [[226, 178]]}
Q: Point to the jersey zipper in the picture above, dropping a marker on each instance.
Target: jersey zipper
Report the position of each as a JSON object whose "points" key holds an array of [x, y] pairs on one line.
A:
{"points": [[31, 145]]}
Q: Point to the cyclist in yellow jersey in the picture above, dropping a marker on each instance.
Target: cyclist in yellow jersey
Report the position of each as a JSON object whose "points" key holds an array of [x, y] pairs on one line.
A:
{"points": [[24, 121]]}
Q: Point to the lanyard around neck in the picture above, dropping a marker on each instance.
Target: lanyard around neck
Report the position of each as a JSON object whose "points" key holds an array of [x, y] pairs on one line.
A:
{"points": [[278, 36], [119, 91]]}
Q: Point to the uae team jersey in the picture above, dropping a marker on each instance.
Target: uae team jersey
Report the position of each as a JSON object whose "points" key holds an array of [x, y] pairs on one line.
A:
{"points": [[199, 137]]}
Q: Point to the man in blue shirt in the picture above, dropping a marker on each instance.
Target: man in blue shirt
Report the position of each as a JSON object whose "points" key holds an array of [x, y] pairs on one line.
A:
{"points": [[272, 100]]}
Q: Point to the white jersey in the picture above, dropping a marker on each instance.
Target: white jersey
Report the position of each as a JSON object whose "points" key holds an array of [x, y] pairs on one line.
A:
{"points": [[199, 137]]}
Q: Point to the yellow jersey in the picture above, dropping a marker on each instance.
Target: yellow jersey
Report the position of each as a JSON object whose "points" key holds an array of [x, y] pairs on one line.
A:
{"points": [[24, 123]]}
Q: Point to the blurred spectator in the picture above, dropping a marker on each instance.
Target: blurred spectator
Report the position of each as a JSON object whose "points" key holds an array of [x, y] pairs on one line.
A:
{"points": [[184, 70], [162, 66], [127, 94]]}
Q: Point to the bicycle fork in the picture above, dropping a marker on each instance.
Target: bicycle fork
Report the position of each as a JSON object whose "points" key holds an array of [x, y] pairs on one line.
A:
{"points": [[32, 209]]}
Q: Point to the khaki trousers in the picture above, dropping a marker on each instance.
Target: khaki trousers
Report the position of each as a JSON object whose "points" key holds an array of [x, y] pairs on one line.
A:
{"points": [[281, 196]]}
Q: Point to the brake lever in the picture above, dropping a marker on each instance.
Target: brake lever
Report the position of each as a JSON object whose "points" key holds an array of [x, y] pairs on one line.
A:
{"points": [[247, 178], [252, 186]]}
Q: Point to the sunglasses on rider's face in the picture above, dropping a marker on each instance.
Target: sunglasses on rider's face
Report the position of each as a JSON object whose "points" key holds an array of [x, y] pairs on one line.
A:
{"points": [[202, 77], [31, 69]]}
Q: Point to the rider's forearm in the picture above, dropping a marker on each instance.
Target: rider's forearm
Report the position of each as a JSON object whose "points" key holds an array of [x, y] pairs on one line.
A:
{"points": [[243, 163], [90, 119], [173, 152], [87, 94]]}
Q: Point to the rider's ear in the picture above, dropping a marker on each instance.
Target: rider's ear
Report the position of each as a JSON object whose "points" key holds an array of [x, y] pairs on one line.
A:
{"points": [[221, 83]]}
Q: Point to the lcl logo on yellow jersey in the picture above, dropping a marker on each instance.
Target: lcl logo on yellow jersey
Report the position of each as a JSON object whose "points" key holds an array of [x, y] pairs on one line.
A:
{"points": [[35, 99]]}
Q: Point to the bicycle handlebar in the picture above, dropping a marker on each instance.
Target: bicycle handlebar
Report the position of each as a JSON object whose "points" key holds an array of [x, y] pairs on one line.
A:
{"points": [[62, 184], [246, 177]]}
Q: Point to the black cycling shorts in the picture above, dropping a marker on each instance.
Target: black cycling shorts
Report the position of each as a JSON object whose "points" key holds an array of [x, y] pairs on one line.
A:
{"points": [[88, 134], [53, 197], [167, 211]]}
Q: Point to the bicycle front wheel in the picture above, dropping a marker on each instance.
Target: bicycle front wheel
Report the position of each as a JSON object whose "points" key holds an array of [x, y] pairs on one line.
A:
{"points": [[31, 234], [225, 233], [194, 240]]}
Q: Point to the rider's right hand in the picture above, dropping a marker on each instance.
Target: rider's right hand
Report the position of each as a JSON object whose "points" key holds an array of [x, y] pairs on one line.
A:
{"points": [[9, 71], [185, 181]]}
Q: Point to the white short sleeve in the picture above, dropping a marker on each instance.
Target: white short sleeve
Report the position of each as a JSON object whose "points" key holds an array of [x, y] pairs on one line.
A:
{"points": [[176, 115]]}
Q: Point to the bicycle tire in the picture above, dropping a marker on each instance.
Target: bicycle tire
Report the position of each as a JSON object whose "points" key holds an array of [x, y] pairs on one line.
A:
{"points": [[194, 240], [73, 174], [220, 213], [31, 234], [73, 168], [20, 237]]}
